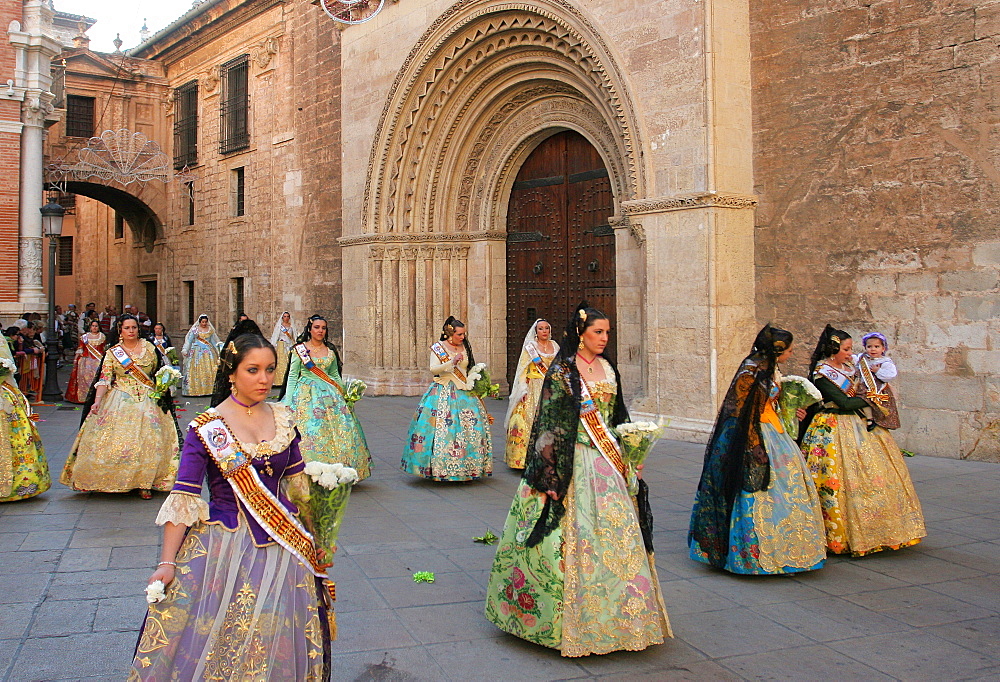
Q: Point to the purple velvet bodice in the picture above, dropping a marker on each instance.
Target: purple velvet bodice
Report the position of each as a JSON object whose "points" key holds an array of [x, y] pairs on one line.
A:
{"points": [[197, 464]]}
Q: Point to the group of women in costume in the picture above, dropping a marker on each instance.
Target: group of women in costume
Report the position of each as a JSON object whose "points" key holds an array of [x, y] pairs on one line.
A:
{"points": [[768, 505], [574, 568]]}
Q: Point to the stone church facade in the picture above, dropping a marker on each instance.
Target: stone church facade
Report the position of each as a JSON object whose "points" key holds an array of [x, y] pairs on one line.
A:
{"points": [[723, 164]]}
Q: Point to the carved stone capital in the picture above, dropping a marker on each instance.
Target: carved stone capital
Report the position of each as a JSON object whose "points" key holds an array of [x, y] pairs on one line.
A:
{"points": [[422, 237]]}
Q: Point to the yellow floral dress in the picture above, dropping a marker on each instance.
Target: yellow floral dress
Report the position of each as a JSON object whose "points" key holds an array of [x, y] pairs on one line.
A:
{"points": [[525, 393], [24, 471], [127, 442]]}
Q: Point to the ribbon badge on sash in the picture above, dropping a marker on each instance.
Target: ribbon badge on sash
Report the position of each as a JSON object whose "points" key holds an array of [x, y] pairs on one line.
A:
{"points": [[536, 358], [598, 431], [308, 363], [443, 356], [260, 502], [132, 369]]}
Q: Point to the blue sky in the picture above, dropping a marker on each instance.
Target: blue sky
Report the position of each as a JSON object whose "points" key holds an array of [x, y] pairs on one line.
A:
{"points": [[123, 16]]}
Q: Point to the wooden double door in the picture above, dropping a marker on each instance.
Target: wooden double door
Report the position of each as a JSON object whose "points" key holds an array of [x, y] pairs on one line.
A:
{"points": [[560, 248]]}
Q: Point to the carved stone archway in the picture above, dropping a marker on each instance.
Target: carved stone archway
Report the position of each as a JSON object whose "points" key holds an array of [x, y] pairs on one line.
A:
{"points": [[483, 86]]}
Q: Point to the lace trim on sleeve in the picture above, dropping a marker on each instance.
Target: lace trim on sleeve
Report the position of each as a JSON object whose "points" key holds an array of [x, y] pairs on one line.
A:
{"points": [[182, 509]]}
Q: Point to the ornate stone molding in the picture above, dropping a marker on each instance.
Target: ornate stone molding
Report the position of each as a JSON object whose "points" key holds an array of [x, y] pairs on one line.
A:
{"points": [[619, 222], [682, 202], [436, 252], [458, 44], [36, 109], [263, 53], [422, 237], [30, 262]]}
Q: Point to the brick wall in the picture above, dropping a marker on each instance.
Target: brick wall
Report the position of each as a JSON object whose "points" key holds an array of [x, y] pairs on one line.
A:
{"points": [[10, 158], [877, 163]]}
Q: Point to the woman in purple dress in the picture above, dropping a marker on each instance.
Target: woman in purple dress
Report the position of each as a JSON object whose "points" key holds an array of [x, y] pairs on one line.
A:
{"points": [[245, 596]]}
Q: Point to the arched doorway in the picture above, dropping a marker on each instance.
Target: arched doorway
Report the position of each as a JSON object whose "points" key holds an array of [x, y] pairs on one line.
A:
{"points": [[560, 248]]}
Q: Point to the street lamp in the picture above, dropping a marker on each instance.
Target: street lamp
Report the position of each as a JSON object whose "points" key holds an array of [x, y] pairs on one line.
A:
{"points": [[52, 220]]}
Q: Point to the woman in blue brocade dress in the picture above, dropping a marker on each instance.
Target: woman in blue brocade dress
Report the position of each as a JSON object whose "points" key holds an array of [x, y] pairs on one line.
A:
{"points": [[238, 604], [756, 510], [331, 433], [449, 437]]}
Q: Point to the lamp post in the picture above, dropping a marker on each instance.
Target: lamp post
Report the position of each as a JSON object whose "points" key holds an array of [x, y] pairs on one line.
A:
{"points": [[52, 220]]}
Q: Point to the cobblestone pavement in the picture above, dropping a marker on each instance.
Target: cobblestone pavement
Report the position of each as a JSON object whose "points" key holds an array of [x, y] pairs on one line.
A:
{"points": [[73, 567]]}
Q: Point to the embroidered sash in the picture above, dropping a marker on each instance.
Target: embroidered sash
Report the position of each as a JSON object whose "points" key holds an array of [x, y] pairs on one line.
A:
{"points": [[132, 369], [536, 358], [308, 363], [593, 423], [874, 396], [90, 350], [443, 356], [262, 504]]}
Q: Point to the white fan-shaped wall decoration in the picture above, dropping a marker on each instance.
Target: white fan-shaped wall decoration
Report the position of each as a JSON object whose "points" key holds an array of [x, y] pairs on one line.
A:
{"points": [[123, 156]]}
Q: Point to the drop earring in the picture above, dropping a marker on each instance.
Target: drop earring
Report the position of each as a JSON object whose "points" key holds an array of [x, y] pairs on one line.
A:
{"points": [[581, 346]]}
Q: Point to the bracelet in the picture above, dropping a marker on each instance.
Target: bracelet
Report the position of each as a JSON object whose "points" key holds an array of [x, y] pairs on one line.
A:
{"points": [[166, 563]]}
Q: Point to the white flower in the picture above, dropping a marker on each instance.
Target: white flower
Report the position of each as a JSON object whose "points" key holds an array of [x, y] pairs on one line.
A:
{"points": [[154, 592], [8, 365], [347, 475], [807, 385], [328, 480]]}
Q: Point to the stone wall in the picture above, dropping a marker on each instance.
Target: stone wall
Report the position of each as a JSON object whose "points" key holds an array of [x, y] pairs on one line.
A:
{"points": [[284, 246], [877, 164]]}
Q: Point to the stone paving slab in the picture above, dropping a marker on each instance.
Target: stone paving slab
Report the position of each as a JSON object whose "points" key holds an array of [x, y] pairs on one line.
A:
{"points": [[73, 566]]}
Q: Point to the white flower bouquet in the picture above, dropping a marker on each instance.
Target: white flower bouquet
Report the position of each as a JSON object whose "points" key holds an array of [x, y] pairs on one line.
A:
{"points": [[173, 357], [166, 378], [636, 440], [354, 389], [329, 490], [155, 592], [481, 385], [7, 366], [796, 392]]}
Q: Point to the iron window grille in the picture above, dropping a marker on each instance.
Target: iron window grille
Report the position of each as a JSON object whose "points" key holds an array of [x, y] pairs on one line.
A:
{"points": [[239, 191], [79, 116], [186, 125], [64, 252], [235, 108]]}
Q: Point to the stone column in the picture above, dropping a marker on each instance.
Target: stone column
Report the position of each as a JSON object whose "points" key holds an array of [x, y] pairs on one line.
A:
{"points": [[29, 290]]}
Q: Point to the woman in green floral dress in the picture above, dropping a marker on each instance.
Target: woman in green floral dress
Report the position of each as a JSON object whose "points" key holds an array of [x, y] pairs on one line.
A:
{"points": [[574, 569], [314, 389]]}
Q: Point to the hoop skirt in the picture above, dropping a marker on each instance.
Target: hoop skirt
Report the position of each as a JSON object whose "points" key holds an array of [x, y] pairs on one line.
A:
{"points": [[777, 530], [24, 470], [449, 437], [868, 500], [126, 443], [330, 431], [588, 587]]}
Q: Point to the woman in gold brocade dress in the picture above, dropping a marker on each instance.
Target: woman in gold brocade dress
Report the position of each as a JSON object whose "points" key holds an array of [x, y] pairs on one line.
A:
{"points": [[283, 338], [537, 354], [24, 471], [128, 439], [201, 358], [868, 499]]}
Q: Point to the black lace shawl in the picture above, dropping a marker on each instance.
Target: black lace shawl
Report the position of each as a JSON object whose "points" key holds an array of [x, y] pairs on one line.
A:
{"points": [[166, 402], [735, 458], [550, 454]]}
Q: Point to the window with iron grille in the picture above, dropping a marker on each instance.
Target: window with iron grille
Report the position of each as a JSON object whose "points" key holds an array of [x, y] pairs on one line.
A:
{"points": [[189, 295], [239, 191], [189, 198], [238, 293], [119, 226], [235, 108], [79, 116], [65, 256], [186, 125]]}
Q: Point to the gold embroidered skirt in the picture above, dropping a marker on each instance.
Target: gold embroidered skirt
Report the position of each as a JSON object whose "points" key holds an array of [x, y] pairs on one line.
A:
{"points": [[867, 497], [128, 443], [234, 611]]}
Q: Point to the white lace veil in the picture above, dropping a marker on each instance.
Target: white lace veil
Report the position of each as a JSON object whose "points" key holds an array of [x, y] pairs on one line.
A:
{"points": [[276, 332], [194, 328], [520, 386]]}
